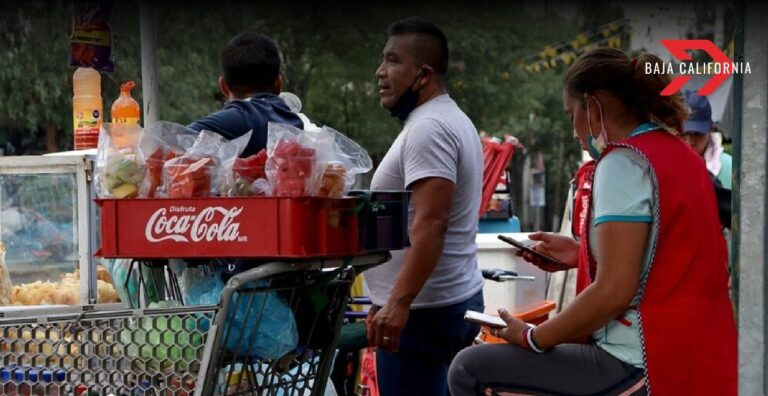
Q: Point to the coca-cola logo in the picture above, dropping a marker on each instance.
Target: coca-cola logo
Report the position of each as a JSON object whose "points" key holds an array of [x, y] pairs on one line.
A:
{"points": [[213, 223]]}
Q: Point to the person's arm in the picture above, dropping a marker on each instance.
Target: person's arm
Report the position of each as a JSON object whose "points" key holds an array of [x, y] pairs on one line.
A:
{"points": [[622, 201], [431, 200], [621, 251], [561, 247]]}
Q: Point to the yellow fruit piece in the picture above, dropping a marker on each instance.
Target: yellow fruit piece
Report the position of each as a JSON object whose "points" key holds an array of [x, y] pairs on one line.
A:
{"points": [[126, 190]]}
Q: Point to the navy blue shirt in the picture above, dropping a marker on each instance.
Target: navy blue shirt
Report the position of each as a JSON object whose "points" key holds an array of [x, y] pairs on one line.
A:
{"points": [[240, 116]]}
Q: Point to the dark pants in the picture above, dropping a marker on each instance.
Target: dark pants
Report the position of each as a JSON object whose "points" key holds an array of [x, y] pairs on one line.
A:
{"points": [[428, 344], [568, 369]]}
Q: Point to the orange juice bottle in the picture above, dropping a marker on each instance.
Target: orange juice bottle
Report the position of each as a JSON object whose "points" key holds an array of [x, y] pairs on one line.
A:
{"points": [[87, 107], [126, 110]]}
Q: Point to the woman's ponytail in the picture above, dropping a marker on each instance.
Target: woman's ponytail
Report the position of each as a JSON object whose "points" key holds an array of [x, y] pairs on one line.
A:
{"points": [[612, 70], [668, 110]]}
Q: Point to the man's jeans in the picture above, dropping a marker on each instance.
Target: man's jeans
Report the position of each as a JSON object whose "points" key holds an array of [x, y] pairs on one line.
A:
{"points": [[431, 339]]}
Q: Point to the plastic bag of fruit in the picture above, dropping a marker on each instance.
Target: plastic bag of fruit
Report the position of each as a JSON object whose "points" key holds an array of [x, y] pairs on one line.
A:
{"points": [[118, 171], [296, 160], [344, 161], [242, 173], [197, 172], [161, 142]]}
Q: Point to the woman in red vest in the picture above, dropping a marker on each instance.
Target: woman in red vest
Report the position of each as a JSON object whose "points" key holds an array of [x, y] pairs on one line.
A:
{"points": [[655, 303]]}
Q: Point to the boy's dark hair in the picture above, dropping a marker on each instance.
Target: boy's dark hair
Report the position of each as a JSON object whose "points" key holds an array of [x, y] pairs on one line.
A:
{"points": [[250, 62], [435, 51]]}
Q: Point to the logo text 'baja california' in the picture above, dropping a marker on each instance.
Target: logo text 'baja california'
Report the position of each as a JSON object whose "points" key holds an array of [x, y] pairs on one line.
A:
{"points": [[194, 227], [720, 68]]}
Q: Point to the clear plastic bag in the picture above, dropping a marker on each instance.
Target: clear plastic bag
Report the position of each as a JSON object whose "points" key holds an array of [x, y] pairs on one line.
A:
{"points": [[198, 171], [118, 171], [260, 188], [345, 161], [295, 160], [243, 173], [161, 142]]}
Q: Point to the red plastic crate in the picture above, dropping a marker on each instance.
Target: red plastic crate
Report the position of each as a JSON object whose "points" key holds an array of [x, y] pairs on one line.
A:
{"points": [[246, 227]]}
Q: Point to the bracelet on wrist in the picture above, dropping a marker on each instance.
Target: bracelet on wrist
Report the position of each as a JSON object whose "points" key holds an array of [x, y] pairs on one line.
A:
{"points": [[527, 339], [535, 347]]}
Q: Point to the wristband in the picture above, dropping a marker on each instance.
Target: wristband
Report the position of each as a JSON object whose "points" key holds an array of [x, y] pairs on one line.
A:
{"points": [[531, 341], [528, 341], [524, 335]]}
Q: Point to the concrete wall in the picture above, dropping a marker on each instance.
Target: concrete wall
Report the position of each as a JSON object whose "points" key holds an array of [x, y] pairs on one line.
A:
{"points": [[750, 210]]}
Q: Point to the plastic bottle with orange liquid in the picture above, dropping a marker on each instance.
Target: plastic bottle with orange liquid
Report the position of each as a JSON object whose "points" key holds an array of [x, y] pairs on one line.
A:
{"points": [[125, 116], [125, 110], [87, 107]]}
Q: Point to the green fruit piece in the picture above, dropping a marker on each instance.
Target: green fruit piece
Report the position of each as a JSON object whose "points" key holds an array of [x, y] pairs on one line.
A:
{"points": [[138, 175], [113, 181], [126, 170], [114, 163], [126, 190]]}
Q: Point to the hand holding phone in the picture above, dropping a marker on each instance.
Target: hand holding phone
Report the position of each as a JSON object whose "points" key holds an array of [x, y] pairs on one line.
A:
{"points": [[540, 255], [484, 319]]}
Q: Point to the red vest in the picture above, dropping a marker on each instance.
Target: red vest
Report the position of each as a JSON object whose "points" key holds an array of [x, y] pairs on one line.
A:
{"points": [[582, 201], [687, 323]]}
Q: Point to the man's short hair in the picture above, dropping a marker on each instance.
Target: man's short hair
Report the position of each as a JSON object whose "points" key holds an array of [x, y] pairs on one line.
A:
{"points": [[250, 62], [435, 51]]}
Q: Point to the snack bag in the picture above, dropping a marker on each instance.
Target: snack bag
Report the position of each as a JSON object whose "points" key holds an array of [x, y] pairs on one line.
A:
{"points": [[91, 40]]}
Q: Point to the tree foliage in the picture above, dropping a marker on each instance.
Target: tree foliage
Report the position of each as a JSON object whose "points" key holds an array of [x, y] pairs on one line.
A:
{"points": [[330, 51]]}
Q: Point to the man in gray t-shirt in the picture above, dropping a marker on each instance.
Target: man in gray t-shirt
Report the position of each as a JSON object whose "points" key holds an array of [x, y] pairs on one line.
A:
{"points": [[420, 296]]}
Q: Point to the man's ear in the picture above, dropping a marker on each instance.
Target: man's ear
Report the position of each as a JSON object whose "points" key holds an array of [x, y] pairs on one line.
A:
{"points": [[427, 75], [223, 87], [278, 87]]}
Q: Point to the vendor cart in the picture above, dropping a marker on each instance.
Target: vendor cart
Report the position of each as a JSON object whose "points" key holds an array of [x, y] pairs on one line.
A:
{"points": [[304, 250], [105, 349]]}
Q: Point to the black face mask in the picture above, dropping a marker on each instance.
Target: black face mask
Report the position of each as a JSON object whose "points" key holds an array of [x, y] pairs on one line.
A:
{"points": [[406, 103]]}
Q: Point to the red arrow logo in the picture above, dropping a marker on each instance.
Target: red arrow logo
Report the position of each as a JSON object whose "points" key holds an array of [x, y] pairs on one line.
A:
{"points": [[678, 49]]}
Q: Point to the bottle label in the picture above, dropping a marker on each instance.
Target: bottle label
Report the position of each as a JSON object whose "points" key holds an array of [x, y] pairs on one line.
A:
{"points": [[126, 120], [86, 122], [92, 36]]}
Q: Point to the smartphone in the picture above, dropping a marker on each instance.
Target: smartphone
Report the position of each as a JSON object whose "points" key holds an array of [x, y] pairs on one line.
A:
{"points": [[524, 248], [484, 319]]}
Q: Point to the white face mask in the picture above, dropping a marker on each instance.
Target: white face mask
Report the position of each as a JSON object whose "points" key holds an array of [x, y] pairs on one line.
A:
{"points": [[596, 145]]}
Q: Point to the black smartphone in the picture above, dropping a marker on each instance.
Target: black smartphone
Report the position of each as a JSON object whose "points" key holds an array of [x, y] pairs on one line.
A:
{"points": [[524, 248]]}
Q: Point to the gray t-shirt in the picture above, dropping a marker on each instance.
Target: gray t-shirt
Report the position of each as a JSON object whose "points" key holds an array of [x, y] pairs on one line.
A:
{"points": [[438, 140]]}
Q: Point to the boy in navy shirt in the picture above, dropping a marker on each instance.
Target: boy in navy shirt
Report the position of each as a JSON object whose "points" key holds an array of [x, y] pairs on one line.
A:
{"points": [[251, 81]]}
